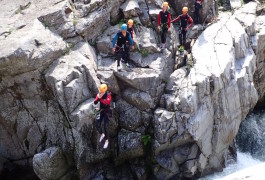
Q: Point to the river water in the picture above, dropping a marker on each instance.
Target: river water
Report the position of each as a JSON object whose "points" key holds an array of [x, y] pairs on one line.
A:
{"points": [[250, 143]]}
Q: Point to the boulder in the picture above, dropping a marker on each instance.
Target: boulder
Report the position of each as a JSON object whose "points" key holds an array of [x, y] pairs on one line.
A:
{"points": [[139, 99], [162, 63], [144, 14], [235, 4], [59, 21], [104, 41], [50, 164], [131, 118], [110, 79], [106, 64], [130, 145], [93, 24], [87, 6], [259, 48], [130, 8], [146, 40], [36, 49], [143, 79], [247, 17], [164, 125], [73, 79]]}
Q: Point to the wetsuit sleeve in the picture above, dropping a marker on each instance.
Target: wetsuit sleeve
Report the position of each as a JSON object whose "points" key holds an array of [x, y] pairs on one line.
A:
{"points": [[176, 20], [190, 21], [114, 40], [159, 19], [169, 20], [130, 39], [96, 100]]}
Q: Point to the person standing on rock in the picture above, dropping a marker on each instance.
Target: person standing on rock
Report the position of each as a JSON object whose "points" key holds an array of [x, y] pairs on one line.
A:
{"points": [[130, 27], [184, 19], [104, 97], [120, 47], [164, 20], [197, 7]]}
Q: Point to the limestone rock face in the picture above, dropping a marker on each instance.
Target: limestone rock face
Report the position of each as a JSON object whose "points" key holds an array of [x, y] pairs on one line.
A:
{"points": [[50, 164], [172, 119], [208, 8], [73, 78]]}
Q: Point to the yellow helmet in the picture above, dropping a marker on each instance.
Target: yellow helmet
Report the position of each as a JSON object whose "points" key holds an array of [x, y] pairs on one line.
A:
{"points": [[130, 22], [165, 4], [103, 88], [185, 9]]}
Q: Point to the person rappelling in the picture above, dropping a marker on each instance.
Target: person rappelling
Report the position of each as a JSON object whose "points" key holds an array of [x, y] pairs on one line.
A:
{"points": [[120, 46], [184, 19], [164, 20], [105, 113]]}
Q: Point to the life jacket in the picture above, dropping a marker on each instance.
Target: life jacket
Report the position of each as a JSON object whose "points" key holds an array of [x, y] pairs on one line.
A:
{"points": [[130, 31], [184, 20], [121, 42], [164, 18]]}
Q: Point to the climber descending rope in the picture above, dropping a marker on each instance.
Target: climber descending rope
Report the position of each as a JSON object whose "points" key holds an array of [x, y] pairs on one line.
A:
{"points": [[184, 19], [120, 46], [104, 97], [164, 18]]}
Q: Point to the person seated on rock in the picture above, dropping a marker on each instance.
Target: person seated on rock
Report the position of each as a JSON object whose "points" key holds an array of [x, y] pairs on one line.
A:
{"points": [[130, 27], [197, 7], [120, 47], [164, 18], [104, 97], [184, 19]]}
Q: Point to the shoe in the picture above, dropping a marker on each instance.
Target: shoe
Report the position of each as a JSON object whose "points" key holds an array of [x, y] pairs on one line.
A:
{"points": [[119, 68], [101, 137], [106, 144], [127, 64]]}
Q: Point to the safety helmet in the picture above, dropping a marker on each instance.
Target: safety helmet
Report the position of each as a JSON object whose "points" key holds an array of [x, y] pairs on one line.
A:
{"points": [[130, 22], [123, 27], [165, 4], [185, 9], [103, 88]]}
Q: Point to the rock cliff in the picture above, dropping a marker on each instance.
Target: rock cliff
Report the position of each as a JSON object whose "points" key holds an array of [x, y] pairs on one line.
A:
{"points": [[170, 121]]}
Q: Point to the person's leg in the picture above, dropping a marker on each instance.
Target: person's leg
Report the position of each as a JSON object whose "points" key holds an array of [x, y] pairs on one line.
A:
{"points": [[184, 37], [98, 124], [180, 38], [126, 55], [118, 57], [106, 129], [164, 37]]}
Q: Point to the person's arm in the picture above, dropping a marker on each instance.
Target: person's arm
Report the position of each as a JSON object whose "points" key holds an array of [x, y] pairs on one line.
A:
{"points": [[115, 40], [132, 33], [190, 20], [159, 19], [130, 39], [169, 20], [96, 100], [176, 20]]}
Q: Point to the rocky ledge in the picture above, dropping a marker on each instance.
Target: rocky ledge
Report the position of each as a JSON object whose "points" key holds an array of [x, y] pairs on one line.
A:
{"points": [[170, 121]]}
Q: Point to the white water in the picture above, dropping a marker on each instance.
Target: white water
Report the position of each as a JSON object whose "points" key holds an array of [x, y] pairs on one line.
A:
{"points": [[252, 131], [243, 161]]}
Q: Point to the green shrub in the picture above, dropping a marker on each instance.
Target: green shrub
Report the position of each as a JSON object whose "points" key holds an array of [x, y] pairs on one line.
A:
{"points": [[146, 139]]}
